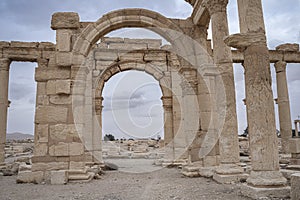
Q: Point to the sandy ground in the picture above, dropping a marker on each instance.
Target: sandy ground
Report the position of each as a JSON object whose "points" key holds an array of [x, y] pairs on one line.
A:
{"points": [[157, 183]]}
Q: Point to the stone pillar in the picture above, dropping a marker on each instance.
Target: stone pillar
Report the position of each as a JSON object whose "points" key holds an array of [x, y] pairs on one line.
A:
{"points": [[296, 128], [97, 131], [228, 141], [168, 119], [4, 78], [190, 111], [265, 172], [283, 105]]}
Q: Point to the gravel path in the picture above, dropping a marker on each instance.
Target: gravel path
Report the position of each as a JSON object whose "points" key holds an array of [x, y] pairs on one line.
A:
{"points": [[116, 185]]}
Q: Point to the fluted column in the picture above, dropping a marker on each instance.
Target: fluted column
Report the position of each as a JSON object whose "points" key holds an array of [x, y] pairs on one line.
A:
{"points": [[283, 105], [4, 103], [228, 141], [260, 107]]}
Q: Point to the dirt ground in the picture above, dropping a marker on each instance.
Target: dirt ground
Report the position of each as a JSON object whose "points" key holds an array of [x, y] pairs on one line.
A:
{"points": [[157, 183]]}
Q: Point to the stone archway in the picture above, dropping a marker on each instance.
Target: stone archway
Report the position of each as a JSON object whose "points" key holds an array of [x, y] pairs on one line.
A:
{"points": [[125, 18]]}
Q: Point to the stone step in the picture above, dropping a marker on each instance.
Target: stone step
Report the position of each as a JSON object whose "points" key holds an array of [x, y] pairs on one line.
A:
{"points": [[81, 177]]}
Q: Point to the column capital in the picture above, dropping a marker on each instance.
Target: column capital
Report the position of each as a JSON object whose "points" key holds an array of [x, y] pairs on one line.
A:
{"points": [[4, 64], [214, 6], [280, 66], [243, 40]]}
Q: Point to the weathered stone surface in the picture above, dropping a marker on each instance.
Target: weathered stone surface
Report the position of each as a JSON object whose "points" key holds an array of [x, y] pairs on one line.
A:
{"points": [[42, 133], [49, 166], [59, 177], [60, 99], [288, 47], [41, 149], [60, 149], [30, 177], [294, 144], [63, 132], [58, 87], [65, 20], [51, 114], [42, 75], [295, 186]]}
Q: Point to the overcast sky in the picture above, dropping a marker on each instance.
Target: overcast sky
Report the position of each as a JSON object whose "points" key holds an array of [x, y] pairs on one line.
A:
{"points": [[29, 20]]}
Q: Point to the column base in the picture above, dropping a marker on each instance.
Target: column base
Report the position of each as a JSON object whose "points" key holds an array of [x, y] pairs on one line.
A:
{"points": [[230, 178], [229, 173], [207, 172], [266, 179], [267, 192]]}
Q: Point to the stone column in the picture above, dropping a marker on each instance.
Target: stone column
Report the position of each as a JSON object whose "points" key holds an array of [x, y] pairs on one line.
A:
{"points": [[97, 131], [4, 78], [228, 141], [265, 172], [296, 128], [283, 105]]}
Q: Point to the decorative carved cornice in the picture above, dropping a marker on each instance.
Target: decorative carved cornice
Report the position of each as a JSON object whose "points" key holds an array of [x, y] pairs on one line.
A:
{"points": [[214, 6]]}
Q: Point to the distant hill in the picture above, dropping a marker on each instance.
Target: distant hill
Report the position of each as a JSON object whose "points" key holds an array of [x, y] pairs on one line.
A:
{"points": [[18, 136]]}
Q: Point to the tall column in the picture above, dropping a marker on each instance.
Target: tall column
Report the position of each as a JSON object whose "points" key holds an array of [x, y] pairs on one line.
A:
{"points": [[260, 107], [228, 141], [283, 105], [4, 78]]}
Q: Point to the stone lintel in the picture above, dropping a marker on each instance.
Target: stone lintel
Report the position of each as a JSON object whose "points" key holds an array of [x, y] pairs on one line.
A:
{"points": [[65, 20], [244, 40], [275, 56]]}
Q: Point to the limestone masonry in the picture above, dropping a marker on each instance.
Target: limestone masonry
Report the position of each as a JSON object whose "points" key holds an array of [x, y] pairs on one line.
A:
{"points": [[197, 83]]}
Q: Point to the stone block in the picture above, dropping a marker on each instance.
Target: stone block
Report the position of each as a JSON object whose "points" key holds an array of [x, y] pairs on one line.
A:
{"points": [[59, 177], [41, 132], [58, 87], [65, 20], [155, 56], [63, 59], [76, 149], [60, 149], [60, 99], [42, 75], [294, 145], [42, 100], [106, 55], [24, 44], [127, 47], [295, 186], [30, 177], [63, 40], [288, 47], [49, 166], [51, 114], [63, 132], [40, 149], [265, 192], [135, 56], [77, 165]]}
